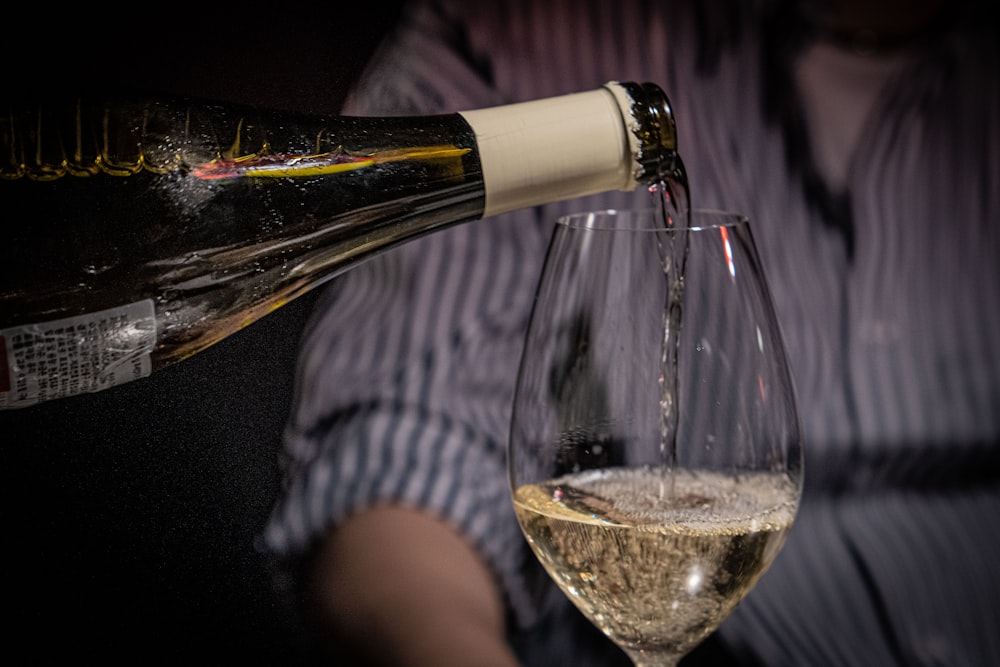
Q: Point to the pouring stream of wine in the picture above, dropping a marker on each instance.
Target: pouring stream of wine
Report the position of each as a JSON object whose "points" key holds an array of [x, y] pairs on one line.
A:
{"points": [[672, 200]]}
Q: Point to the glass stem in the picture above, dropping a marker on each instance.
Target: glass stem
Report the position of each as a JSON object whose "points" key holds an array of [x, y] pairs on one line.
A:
{"points": [[651, 660]]}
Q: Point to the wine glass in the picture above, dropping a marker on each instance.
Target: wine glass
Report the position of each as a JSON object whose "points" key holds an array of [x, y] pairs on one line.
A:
{"points": [[655, 453]]}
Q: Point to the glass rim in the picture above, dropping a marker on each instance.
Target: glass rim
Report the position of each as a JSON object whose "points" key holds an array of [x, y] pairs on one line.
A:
{"points": [[597, 220]]}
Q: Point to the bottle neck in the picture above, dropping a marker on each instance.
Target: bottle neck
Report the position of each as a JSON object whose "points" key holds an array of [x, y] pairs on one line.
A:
{"points": [[653, 130], [573, 145]]}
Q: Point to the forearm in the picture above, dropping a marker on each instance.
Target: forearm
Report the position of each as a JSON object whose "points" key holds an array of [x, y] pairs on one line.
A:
{"points": [[395, 586]]}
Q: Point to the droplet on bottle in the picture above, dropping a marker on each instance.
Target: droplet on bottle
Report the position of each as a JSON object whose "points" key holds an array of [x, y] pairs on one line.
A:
{"points": [[94, 269]]}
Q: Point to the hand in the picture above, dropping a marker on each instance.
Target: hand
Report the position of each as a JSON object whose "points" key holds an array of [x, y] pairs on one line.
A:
{"points": [[396, 586]]}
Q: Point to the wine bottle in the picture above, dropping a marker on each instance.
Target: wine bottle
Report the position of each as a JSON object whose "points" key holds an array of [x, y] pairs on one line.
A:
{"points": [[141, 232]]}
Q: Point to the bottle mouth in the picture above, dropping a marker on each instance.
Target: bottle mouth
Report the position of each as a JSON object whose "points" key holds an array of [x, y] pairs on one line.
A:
{"points": [[655, 132]]}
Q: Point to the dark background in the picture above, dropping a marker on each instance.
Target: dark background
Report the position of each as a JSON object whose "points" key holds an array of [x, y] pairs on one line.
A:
{"points": [[130, 515]]}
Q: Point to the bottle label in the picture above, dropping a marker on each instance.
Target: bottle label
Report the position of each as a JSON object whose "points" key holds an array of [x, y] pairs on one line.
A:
{"points": [[76, 355]]}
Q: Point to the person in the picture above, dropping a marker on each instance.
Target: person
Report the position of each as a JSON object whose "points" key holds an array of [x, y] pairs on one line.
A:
{"points": [[862, 139]]}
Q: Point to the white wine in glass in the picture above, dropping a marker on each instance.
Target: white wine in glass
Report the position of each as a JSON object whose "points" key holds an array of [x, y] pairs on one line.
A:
{"points": [[655, 449]]}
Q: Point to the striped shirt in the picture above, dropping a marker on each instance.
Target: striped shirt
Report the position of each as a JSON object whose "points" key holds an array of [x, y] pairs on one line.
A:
{"points": [[888, 291]]}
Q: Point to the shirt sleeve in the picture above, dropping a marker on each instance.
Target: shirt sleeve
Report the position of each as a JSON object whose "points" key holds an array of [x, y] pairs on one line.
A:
{"points": [[406, 372]]}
